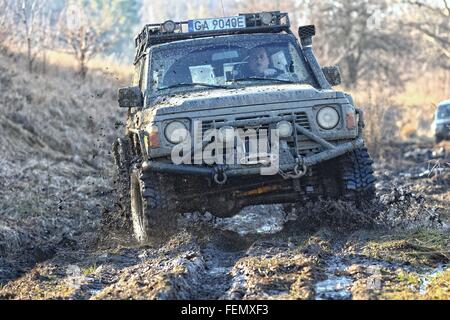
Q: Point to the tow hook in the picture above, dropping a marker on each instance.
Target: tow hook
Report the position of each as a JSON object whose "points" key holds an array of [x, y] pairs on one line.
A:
{"points": [[220, 177], [300, 170]]}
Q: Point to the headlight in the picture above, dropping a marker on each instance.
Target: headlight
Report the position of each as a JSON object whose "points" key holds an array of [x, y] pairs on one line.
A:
{"points": [[176, 132], [328, 118], [285, 129], [227, 135]]}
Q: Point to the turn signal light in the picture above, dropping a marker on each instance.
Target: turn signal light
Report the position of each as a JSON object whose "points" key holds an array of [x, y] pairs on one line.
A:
{"points": [[152, 139]]}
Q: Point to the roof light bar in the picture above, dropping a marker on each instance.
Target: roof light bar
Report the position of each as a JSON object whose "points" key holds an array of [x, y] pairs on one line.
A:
{"points": [[264, 22]]}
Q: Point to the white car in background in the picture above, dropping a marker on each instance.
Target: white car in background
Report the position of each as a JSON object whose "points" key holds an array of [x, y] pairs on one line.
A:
{"points": [[442, 122]]}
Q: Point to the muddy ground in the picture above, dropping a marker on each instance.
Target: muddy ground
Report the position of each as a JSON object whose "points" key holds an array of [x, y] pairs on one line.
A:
{"points": [[54, 193], [398, 248]]}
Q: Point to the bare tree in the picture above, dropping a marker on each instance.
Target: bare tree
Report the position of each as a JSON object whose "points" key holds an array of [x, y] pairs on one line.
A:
{"points": [[361, 36], [47, 38], [85, 28], [5, 20], [431, 20], [31, 16]]}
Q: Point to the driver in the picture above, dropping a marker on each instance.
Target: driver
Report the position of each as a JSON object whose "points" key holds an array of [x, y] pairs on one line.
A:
{"points": [[259, 63]]}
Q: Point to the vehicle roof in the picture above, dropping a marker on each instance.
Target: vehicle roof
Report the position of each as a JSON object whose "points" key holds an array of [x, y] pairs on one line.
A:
{"points": [[444, 103], [220, 39], [154, 34]]}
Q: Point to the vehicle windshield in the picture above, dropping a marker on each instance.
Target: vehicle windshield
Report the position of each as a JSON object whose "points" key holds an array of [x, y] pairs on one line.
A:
{"points": [[227, 62], [444, 112]]}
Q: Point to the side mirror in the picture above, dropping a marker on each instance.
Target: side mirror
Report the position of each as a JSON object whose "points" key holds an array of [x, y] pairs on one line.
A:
{"points": [[333, 75], [131, 97]]}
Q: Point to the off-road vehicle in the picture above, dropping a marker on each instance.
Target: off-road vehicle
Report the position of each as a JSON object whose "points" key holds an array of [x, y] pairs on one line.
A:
{"points": [[199, 83], [442, 122]]}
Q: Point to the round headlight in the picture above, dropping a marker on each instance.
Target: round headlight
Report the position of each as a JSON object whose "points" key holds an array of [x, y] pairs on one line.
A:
{"points": [[285, 129], [227, 135], [169, 26], [176, 132], [266, 18], [328, 118]]}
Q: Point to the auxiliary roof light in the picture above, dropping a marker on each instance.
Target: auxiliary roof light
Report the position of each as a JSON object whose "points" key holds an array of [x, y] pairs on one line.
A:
{"points": [[169, 26], [266, 18]]}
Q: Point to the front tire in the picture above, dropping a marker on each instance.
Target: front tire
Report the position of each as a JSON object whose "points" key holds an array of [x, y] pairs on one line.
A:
{"points": [[153, 205], [358, 180]]}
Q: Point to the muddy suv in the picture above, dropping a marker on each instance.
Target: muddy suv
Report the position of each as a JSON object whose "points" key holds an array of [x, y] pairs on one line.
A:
{"points": [[231, 112]]}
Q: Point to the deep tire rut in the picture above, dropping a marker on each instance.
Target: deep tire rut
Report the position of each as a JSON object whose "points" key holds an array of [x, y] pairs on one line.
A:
{"points": [[216, 278]]}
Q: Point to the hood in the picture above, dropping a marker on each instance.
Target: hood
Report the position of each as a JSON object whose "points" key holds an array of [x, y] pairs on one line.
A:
{"points": [[229, 98]]}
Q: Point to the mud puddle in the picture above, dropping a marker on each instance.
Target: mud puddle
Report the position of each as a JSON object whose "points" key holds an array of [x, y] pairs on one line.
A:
{"points": [[337, 285], [426, 277]]}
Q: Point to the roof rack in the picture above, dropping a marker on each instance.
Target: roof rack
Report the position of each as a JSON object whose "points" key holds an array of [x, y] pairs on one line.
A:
{"points": [[169, 31]]}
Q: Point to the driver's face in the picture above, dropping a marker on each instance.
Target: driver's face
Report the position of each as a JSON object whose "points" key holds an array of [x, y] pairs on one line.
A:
{"points": [[259, 61]]}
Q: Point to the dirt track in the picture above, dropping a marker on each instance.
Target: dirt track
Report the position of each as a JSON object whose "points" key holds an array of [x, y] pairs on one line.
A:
{"points": [[315, 252]]}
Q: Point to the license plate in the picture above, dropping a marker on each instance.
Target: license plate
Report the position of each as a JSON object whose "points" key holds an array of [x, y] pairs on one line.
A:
{"points": [[217, 24]]}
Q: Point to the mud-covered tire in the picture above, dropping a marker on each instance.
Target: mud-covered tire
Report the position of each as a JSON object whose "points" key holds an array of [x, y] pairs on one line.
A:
{"points": [[153, 205], [122, 154], [357, 174], [116, 219]]}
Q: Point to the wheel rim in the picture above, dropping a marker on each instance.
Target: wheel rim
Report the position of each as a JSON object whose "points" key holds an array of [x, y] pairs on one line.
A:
{"points": [[137, 211]]}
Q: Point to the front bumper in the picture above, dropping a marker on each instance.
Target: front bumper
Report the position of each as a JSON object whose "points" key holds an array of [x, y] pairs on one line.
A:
{"points": [[308, 161], [220, 173]]}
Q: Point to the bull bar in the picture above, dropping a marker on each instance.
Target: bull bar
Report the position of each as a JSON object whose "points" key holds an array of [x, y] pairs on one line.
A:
{"points": [[330, 151]]}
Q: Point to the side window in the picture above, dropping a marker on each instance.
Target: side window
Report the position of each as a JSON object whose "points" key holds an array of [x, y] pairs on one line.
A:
{"points": [[137, 74], [140, 76], [144, 73], [298, 64]]}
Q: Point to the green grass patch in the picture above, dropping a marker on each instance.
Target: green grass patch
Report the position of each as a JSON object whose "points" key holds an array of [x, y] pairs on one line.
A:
{"points": [[422, 247]]}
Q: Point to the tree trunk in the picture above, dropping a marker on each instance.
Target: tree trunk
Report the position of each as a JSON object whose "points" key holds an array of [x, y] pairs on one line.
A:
{"points": [[352, 73], [83, 67], [30, 59], [44, 63]]}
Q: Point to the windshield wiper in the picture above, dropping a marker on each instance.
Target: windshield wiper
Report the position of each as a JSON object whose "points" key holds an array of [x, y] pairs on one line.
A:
{"points": [[180, 85], [262, 79]]}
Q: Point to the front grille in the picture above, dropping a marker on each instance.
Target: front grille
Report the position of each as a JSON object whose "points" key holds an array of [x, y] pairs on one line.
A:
{"points": [[305, 145], [209, 124], [301, 118], [254, 118]]}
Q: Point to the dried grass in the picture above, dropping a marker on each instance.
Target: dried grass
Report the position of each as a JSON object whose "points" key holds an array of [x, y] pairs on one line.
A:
{"points": [[402, 113], [55, 136]]}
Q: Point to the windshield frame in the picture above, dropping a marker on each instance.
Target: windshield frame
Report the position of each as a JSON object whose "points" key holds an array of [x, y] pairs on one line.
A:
{"points": [[210, 41], [443, 108]]}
